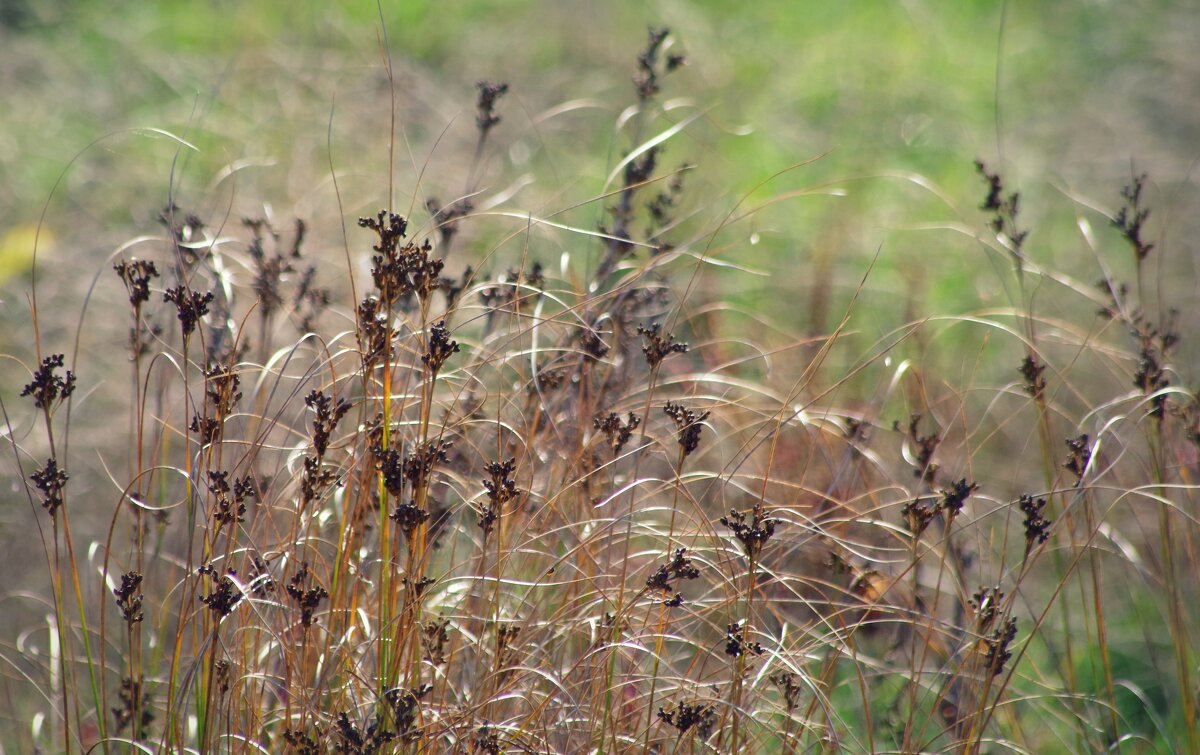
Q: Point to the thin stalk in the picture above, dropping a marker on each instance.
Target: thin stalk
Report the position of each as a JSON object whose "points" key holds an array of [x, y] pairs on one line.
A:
{"points": [[169, 728], [385, 563], [76, 584], [663, 611], [740, 663], [1179, 627], [620, 605]]}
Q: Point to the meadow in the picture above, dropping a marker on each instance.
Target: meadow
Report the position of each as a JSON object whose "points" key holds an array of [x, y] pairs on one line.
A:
{"points": [[522, 377]]}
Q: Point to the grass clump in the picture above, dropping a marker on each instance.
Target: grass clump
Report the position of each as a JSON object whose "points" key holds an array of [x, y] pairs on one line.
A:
{"points": [[577, 507]]}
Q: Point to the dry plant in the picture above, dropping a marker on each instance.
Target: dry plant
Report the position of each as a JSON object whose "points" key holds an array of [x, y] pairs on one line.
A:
{"points": [[575, 504]]}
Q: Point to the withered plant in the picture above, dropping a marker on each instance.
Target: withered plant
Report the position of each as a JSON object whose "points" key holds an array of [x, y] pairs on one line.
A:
{"points": [[518, 481]]}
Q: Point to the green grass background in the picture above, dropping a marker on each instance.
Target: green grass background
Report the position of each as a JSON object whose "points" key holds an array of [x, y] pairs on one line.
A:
{"points": [[1061, 95]]}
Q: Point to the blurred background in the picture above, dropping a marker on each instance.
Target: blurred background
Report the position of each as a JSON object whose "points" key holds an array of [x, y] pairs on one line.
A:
{"points": [[1066, 99]]}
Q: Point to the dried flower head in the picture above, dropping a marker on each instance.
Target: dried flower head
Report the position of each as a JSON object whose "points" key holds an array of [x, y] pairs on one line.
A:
{"points": [[618, 433], [649, 68], [688, 425], [506, 638], [269, 269], [996, 646], [435, 635], [51, 481], [315, 479], [1080, 455], [447, 217], [680, 567], [400, 271], [487, 741], [389, 227], [736, 644], [753, 528], [1151, 375], [205, 428], [129, 598], [414, 589], [489, 93], [452, 289], [133, 705], [641, 169], [327, 417], [390, 464], [136, 275], [1132, 216], [261, 582], [221, 388], [500, 489], [1037, 526], [186, 230], [309, 300], [372, 738], [140, 336], [547, 379], [986, 603], [420, 463], [409, 516], [657, 345], [301, 743], [226, 593], [1115, 295], [440, 347], [1031, 369], [47, 388], [509, 294], [661, 205], [919, 513], [307, 594], [406, 705], [190, 305], [229, 505], [789, 685], [686, 716], [594, 347], [184, 226], [1005, 210], [954, 498], [924, 447], [373, 332]]}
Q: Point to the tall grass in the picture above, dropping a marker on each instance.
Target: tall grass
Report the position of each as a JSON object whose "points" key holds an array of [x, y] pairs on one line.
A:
{"points": [[544, 490]]}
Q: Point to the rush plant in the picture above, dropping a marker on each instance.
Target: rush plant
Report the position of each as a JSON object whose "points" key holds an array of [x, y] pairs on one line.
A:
{"points": [[510, 480]]}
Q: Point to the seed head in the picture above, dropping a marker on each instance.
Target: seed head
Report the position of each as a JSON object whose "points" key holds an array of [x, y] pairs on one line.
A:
{"points": [[190, 305], [50, 480], [753, 528], [1037, 526], [657, 345], [47, 388], [489, 92], [688, 425], [136, 275], [441, 347]]}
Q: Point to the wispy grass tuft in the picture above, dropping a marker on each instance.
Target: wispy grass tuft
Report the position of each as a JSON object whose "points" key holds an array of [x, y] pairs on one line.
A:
{"points": [[518, 481]]}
